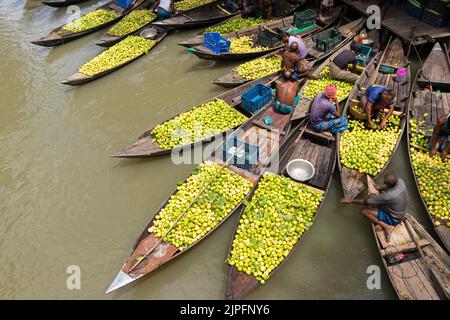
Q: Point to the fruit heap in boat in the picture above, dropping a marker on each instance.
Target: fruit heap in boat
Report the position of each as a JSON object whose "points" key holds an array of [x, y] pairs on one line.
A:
{"points": [[201, 122], [90, 20], [259, 68], [433, 175], [133, 21], [234, 25], [244, 44], [189, 4], [279, 212], [127, 49], [224, 191], [315, 87]]}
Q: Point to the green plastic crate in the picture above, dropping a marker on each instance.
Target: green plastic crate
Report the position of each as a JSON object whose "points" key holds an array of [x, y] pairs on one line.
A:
{"points": [[304, 18], [328, 40]]}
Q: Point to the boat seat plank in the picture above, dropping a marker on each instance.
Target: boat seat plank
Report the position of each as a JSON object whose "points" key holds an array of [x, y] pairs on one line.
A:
{"points": [[320, 179], [404, 247]]}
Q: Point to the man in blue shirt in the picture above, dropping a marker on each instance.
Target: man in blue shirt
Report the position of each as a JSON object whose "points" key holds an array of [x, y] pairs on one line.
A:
{"points": [[376, 99]]}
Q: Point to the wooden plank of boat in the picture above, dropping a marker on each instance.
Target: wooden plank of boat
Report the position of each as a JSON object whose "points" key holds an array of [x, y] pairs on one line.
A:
{"points": [[198, 17], [81, 78], [268, 139], [348, 30], [299, 144], [428, 107], [436, 69], [145, 146], [60, 36], [353, 181], [415, 277], [108, 40], [287, 9], [283, 24], [62, 3]]}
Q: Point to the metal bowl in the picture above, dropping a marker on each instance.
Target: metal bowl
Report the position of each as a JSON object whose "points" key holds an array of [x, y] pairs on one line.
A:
{"points": [[300, 169], [149, 33]]}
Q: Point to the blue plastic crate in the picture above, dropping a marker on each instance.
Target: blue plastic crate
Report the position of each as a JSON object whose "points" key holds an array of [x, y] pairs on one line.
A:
{"points": [[240, 153], [364, 57], [124, 3], [216, 43], [257, 97], [413, 10], [435, 20]]}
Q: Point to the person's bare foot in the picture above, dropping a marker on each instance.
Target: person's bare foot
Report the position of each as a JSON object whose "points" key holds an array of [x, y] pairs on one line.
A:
{"points": [[378, 228], [388, 233], [327, 133]]}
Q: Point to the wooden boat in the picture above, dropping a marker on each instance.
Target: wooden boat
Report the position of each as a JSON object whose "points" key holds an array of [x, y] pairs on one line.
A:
{"points": [[254, 131], [60, 36], [353, 181], [146, 147], [436, 69], [419, 269], [428, 107], [81, 78], [287, 9], [62, 3], [203, 52], [302, 143], [198, 17], [348, 31], [108, 40]]}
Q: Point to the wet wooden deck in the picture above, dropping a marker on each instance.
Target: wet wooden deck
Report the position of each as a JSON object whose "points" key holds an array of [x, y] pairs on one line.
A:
{"points": [[399, 22]]}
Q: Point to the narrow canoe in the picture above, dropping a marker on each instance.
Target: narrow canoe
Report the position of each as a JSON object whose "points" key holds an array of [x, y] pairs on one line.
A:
{"points": [[349, 30], [203, 52], [81, 78], [108, 40], [60, 36], [146, 147], [353, 181], [417, 276], [287, 9], [198, 17], [268, 138], [302, 143], [428, 107], [62, 3]]}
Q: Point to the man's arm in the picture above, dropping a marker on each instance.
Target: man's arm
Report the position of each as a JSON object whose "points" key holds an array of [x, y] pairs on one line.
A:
{"points": [[435, 136], [386, 118], [369, 113], [155, 5], [352, 201]]}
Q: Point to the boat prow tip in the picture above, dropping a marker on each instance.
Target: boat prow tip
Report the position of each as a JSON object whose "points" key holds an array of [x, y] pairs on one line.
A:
{"points": [[122, 279]]}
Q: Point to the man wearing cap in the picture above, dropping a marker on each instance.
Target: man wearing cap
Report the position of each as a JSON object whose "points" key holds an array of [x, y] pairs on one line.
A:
{"points": [[324, 114]]}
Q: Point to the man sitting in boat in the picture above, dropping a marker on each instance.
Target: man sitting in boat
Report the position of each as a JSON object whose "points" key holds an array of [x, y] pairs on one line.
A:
{"points": [[288, 40], [164, 8], [440, 140], [286, 97], [376, 99], [292, 64], [324, 112], [338, 67], [387, 209]]}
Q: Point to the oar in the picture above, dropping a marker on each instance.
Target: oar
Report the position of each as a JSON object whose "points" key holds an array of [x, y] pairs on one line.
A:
{"points": [[297, 140], [433, 275], [223, 9]]}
